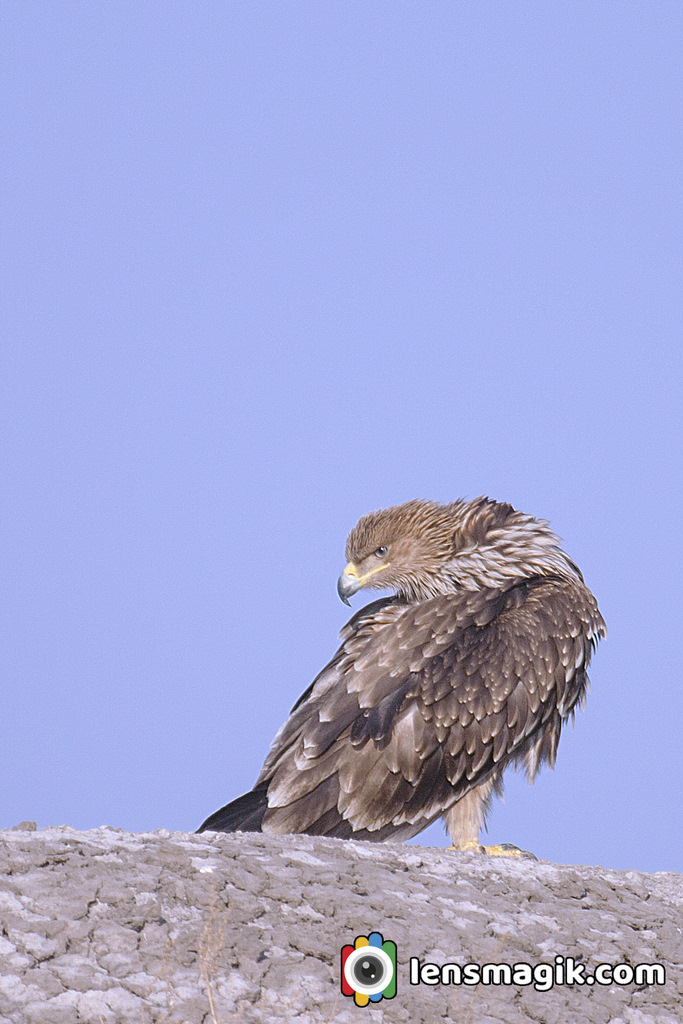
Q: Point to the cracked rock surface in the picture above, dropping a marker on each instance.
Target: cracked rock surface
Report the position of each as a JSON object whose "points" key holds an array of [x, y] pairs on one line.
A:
{"points": [[108, 926]]}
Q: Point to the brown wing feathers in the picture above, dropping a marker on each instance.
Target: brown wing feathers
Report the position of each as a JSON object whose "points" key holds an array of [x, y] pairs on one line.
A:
{"points": [[427, 699], [475, 696]]}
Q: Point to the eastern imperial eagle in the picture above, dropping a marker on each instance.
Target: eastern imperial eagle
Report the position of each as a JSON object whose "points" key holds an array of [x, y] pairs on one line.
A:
{"points": [[473, 664]]}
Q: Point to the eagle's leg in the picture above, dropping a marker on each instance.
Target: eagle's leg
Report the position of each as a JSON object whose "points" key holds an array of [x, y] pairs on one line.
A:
{"points": [[466, 818]]}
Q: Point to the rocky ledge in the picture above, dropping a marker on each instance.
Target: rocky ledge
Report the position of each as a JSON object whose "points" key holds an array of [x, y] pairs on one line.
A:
{"points": [[107, 926]]}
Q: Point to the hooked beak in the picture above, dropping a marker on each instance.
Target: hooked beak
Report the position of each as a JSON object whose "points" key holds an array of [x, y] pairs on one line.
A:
{"points": [[348, 583]]}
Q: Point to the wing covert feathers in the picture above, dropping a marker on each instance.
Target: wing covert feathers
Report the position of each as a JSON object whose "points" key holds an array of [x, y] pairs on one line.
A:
{"points": [[425, 701]]}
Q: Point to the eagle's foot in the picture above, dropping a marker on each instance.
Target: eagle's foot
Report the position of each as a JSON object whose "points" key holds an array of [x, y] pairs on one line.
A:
{"points": [[501, 850]]}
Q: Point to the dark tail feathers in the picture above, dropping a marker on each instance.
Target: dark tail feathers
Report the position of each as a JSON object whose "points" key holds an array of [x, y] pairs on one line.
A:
{"points": [[244, 814]]}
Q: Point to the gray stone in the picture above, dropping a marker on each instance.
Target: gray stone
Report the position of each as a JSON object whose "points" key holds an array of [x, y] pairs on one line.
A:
{"points": [[104, 926]]}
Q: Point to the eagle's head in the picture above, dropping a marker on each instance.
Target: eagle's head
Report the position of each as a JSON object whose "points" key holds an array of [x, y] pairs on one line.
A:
{"points": [[422, 549]]}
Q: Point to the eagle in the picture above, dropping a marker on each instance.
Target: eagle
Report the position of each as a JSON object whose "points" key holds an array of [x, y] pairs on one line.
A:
{"points": [[471, 665]]}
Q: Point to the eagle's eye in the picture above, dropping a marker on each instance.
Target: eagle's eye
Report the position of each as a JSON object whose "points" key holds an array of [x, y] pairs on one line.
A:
{"points": [[381, 551]]}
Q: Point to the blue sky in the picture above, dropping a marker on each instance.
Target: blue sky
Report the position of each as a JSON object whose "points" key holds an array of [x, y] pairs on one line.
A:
{"points": [[269, 266]]}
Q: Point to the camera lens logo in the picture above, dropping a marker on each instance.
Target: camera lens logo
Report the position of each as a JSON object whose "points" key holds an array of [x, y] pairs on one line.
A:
{"points": [[368, 969]]}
